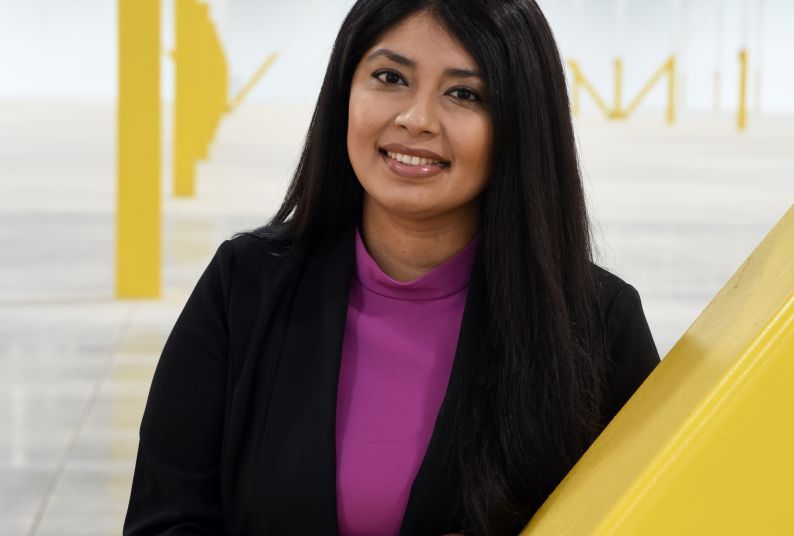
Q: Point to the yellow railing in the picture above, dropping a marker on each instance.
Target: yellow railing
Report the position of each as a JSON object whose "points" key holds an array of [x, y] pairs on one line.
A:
{"points": [[705, 444]]}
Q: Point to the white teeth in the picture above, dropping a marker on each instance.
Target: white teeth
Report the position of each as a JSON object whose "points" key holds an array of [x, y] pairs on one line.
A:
{"points": [[411, 160]]}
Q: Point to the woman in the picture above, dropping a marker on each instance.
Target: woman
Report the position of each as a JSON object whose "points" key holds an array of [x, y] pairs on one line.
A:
{"points": [[418, 342]]}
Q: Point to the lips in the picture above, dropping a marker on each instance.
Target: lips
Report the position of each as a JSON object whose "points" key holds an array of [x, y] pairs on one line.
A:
{"points": [[413, 151], [413, 172]]}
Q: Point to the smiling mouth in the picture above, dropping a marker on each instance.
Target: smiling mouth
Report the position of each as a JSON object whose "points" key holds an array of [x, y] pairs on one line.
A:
{"points": [[410, 160]]}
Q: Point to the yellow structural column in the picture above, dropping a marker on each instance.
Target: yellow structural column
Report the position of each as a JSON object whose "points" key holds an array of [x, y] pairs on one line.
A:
{"points": [[671, 70], [706, 444], [138, 150], [617, 112], [201, 86], [186, 109], [742, 113]]}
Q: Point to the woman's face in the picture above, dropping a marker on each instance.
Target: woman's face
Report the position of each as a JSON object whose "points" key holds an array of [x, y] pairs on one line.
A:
{"points": [[419, 134]]}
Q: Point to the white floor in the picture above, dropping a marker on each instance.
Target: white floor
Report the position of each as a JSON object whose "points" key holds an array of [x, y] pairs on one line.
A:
{"points": [[677, 210]]}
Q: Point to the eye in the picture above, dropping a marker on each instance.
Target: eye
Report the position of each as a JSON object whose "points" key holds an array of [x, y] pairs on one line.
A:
{"points": [[465, 94], [388, 77]]}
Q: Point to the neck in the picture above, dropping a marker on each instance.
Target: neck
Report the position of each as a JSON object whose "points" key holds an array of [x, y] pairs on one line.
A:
{"points": [[407, 248]]}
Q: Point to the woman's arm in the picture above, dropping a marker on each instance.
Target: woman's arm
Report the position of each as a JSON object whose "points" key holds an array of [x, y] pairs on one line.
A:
{"points": [[176, 486]]}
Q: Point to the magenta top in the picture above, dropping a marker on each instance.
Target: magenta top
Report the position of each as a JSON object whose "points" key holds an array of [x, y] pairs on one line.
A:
{"points": [[399, 345]]}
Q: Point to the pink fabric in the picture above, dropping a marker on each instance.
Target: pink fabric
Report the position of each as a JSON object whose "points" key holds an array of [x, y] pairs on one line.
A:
{"points": [[399, 345]]}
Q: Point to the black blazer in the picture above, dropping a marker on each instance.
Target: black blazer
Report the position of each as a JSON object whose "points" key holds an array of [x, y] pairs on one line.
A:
{"points": [[238, 434]]}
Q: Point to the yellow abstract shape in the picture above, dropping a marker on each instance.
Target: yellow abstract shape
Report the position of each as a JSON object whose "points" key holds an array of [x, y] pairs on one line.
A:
{"points": [[705, 444], [617, 111], [201, 78], [138, 150]]}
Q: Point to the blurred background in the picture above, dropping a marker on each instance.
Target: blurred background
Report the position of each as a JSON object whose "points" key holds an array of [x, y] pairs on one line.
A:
{"points": [[684, 119]]}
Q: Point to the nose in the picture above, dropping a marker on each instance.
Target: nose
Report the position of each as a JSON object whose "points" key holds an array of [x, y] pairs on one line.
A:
{"points": [[419, 116]]}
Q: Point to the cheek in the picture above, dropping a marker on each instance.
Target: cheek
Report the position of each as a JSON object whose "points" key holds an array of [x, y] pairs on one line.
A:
{"points": [[355, 124], [365, 122], [472, 146]]}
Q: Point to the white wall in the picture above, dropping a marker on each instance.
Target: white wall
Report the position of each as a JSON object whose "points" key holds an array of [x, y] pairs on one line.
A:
{"points": [[56, 49]]}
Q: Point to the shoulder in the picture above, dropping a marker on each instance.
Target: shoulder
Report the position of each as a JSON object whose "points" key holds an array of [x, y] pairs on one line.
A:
{"points": [[632, 351], [268, 242], [257, 253], [611, 289], [262, 265], [619, 303], [249, 267]]}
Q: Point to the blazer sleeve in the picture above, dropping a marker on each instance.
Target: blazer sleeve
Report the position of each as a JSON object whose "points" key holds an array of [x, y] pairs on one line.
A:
{"points": [[631, 348], [176, 486]]}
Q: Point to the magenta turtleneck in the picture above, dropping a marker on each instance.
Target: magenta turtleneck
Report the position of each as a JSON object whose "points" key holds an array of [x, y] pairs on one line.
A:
{"points": [[399, 345]]}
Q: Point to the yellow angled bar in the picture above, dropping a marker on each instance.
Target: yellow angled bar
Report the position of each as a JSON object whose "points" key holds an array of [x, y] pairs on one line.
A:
{"points": [[581, 81], [138, 150], [668, 68], [260, 72], [706, 445]]}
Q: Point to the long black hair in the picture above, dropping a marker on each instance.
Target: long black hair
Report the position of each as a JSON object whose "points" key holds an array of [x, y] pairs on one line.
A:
{"points": [[535, 400]]}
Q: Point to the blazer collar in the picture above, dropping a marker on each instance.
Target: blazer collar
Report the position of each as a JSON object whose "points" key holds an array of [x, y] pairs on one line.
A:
{"points": [[298, 464]]}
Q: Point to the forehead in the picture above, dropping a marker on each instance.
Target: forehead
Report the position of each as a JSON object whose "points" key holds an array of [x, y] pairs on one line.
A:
{"points": [[424, 38]]}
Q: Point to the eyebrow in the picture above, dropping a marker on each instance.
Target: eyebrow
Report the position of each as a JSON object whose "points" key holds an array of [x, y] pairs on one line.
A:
{"points": [[407, 62]]}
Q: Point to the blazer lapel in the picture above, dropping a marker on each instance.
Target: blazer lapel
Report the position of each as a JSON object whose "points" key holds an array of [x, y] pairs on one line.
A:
{"points": [[435, 503], [298, 464]]}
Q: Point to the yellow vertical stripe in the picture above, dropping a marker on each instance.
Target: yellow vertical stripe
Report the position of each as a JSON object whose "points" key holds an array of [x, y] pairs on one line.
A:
{"points": [[138, 150], [742, 114]]}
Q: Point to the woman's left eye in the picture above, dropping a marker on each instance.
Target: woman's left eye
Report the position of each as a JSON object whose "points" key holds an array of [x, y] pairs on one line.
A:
{"points": [[465, 94]]}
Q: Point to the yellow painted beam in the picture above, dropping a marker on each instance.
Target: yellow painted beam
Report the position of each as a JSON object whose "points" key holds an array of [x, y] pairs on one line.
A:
{"points": [[260, 72], [580, 81], [741, 120], [200, 95], [138, 150], [184, 125], [671, 100], [705, 445], [617, 110], [667, 68]]}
